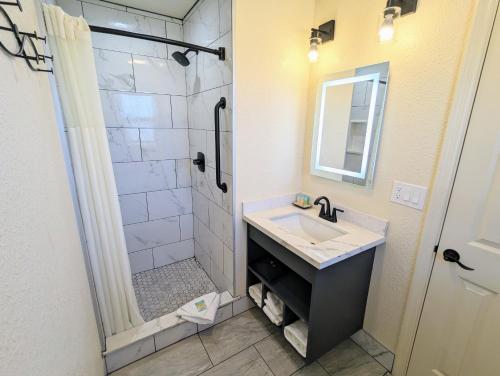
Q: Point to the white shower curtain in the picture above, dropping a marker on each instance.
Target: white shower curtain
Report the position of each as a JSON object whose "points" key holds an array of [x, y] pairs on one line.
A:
{"points": [[75, 72]]}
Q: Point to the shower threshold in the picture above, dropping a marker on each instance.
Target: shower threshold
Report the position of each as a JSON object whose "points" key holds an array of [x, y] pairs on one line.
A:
{"points": [[163, 290]]}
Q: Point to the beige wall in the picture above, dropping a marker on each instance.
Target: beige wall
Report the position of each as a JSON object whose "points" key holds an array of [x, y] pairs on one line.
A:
{"points": [[47, 324], [424, 60], [270, 89]]}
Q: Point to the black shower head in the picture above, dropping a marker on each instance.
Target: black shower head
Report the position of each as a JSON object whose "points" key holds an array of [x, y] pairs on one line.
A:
{"points": [[181, 58]]}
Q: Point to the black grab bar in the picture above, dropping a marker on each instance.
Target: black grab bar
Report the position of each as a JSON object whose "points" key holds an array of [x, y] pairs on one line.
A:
{"points": [[220, 104]]}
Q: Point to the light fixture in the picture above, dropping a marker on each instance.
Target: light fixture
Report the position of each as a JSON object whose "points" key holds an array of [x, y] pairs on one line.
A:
{"points": [[324, 33], [393, 10]]}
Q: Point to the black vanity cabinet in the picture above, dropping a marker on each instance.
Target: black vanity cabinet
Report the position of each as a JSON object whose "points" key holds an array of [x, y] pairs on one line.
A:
{"points": [[331, 301]]}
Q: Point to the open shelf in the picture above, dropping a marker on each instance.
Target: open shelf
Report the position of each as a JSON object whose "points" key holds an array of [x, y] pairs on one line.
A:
{"points": [[287, 285]]}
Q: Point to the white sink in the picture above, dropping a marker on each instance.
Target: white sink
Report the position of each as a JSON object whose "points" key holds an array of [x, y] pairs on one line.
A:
{"points": [[313, 230]]}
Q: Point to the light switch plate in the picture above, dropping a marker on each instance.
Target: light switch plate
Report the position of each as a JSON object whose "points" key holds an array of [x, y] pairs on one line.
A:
{"points": [[409, 194]]}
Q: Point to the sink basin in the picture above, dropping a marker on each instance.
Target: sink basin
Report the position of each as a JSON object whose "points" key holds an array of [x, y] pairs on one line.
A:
{"points": [[310, 229]]}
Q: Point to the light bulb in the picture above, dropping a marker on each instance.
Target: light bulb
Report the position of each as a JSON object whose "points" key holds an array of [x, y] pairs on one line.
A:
{"points": [[313, 51], [386, 31]]}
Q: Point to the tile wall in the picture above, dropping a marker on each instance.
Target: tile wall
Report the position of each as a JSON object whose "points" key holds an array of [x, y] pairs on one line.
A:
{"points": [[143, 95], [207, 80]]}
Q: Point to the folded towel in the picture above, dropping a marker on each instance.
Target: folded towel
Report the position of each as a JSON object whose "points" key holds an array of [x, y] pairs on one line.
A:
{"points": [[296, 334], [201, 310], [268, 304], [274, 319], [275, 304], [255, 292]]}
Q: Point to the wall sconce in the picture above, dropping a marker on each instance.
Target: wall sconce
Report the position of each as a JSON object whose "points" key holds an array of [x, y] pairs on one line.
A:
{"points": [[393, 10], [324, 33]]}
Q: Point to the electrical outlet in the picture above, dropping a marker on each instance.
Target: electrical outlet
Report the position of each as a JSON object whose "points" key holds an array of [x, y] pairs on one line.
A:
{"points": [[409, 194]]}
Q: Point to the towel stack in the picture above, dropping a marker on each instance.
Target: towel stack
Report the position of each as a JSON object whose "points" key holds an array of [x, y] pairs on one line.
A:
{"points": [[273, 308], [255, 292], [296, 334]]}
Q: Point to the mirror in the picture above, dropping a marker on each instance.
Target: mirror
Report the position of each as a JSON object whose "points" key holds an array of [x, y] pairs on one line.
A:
{"points": [[347, 124]]}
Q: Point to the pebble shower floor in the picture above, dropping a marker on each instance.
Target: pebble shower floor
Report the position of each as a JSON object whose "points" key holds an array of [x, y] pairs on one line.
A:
{"points": [[163, 290]]}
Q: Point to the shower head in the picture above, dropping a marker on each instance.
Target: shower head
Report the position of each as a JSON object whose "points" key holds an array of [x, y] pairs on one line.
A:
{"points": [[181, 57]]}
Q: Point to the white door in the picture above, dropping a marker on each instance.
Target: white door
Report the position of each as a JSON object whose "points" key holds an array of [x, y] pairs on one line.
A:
{"points": [[459, 330]]}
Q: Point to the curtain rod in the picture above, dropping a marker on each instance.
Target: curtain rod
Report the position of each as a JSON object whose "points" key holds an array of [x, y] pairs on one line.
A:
{"points": [[220, 52]]}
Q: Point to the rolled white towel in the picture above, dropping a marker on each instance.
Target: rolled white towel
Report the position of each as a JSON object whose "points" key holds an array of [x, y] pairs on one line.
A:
{"points": [[269, 305], [274, 319], [255, 292], [296, 334], [275, 304]]}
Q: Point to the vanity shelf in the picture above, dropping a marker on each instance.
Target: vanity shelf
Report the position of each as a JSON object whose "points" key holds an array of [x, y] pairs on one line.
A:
{"points": [[331, 300]]}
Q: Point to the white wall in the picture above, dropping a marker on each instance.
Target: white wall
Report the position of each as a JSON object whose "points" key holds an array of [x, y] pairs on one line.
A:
{"points": [[424, 60], [47, 324], [271, 78]]}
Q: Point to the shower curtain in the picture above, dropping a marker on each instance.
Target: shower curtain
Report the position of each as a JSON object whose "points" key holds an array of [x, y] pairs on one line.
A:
{"points": [[75, 72]]}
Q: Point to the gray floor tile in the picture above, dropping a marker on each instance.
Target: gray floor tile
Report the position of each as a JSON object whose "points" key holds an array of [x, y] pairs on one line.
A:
{"points": [[233, 335], [246, 363], [374, 348], [313, 369], [279, 355], [163, 290], [185, 358], [348, 359]]}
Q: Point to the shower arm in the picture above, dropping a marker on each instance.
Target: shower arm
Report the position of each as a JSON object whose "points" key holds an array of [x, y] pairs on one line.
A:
{"points": [[220, 52]]}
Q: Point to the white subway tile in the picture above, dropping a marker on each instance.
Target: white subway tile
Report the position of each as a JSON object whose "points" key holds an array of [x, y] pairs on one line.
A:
{"points": [[134, 208], [136, 110], [175, 32], [202, 24], [141, 260], [179, 112], [201, 109], [183, 169], [186, 226], [169, 203], [226, 119], [152, 234], [170, 253], [227, 198], [159, 76], [158, 144], [202, 257], [114, 70], [197, 142], [226, 151], [200, 207], [124, 144], [138, 177], [72, 7], [218, 277], [225, 12], [221, 224], [228, 269]]}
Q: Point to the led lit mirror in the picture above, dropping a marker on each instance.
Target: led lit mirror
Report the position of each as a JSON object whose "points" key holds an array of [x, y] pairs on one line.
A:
{"points": [[347, 124]]}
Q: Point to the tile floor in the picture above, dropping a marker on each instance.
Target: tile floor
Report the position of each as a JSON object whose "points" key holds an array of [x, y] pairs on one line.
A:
{"points": [[162, 290], [249, 345]]}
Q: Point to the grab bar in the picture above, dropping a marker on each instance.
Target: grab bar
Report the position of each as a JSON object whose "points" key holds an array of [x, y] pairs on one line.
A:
{"points": [[220, 104]]}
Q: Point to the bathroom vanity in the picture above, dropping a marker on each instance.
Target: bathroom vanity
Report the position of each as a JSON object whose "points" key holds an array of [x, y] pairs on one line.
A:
{"points": [[320, 270]]}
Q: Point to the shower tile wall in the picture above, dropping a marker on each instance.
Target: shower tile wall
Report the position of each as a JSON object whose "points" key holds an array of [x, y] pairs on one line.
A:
{"points": [[209, 24], [143, 94]]}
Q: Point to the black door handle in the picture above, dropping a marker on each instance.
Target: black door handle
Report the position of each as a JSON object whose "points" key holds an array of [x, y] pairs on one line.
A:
{"points": [[220, 104], [453, 256]]}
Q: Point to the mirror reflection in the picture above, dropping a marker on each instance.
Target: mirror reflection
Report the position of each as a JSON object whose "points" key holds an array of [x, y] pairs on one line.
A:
{"points": [[348, 118]]}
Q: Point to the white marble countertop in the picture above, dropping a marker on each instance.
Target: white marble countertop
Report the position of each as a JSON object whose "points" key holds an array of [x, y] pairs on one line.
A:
{"points": [[356, 238]]}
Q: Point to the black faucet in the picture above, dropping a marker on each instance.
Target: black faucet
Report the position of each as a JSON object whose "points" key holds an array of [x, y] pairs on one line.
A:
{"points": [[325, 213]]}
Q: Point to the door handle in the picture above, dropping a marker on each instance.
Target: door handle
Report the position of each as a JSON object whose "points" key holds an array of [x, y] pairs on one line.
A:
{"points": [[451, 255], [220, 104]]}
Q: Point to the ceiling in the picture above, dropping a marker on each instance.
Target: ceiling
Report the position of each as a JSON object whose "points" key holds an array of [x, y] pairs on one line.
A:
{"points": [[172, 8]]}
